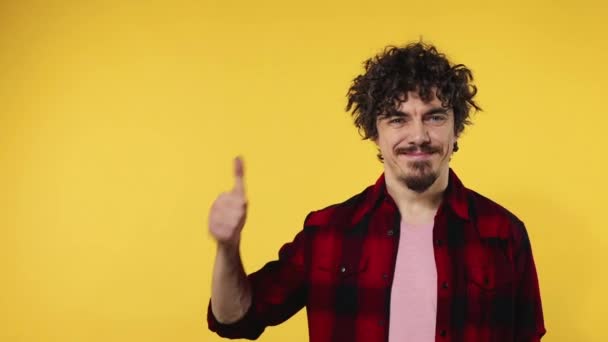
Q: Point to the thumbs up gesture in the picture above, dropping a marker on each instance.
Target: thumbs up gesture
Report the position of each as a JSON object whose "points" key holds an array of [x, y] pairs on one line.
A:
{"points": [[229, 211]]}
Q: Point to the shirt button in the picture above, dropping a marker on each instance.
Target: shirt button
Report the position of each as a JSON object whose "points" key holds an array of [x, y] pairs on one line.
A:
{"points": [[443, 332], [380, 322], [438, 242], [444, 285], [390, 232], [342, 269], [384, 275]]}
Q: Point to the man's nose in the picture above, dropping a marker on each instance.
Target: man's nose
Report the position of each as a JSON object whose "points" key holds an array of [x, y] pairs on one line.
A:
{"points": [[419, 133]]}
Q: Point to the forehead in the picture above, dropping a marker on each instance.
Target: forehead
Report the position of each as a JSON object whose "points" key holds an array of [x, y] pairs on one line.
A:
{"points": [[414, 104], [413, 98]]}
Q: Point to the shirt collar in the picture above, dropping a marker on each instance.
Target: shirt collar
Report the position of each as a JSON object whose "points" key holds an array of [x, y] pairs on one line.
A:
{"points": [[455, 195]]}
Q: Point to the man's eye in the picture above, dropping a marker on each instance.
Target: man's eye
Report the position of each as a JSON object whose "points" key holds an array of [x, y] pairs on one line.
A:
{"points": [[437, 118], [397, 120]]}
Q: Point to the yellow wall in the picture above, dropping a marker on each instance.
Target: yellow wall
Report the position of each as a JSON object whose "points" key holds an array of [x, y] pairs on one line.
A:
{"points": [[119, 121]]}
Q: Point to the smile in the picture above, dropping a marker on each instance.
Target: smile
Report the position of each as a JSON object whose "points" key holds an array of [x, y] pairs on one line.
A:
{"points": [[417, 155]]}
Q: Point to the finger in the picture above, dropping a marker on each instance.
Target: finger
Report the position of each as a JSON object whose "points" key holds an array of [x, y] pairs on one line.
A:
{"points": [[239, 176]]}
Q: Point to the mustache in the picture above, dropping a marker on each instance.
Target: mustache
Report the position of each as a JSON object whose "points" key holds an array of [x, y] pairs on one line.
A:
{"points": [[426, 148]]}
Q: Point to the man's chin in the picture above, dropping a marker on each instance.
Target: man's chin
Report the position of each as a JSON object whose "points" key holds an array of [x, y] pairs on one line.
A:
{"points": [[420, 182]]}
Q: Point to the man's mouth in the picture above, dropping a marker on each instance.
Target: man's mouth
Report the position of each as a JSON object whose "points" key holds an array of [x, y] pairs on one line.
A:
{"points": [[417, 155]]}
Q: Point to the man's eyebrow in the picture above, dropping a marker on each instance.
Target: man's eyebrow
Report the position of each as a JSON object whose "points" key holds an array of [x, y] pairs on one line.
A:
{"points": [[392, 113], [436, 110]]}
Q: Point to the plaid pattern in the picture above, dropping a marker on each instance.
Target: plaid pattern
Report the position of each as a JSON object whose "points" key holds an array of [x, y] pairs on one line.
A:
{"points": [[340, 267]]}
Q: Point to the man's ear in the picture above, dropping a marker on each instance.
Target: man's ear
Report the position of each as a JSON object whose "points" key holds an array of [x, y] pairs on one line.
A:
{"points": [[455, 146], [456, 137]]}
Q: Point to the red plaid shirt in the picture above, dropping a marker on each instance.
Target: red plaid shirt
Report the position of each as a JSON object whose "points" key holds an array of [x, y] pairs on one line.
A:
{"points": [[341, 266]]}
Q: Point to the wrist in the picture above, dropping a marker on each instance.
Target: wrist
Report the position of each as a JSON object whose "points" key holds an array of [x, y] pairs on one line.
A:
{"points": [[229, 249]]}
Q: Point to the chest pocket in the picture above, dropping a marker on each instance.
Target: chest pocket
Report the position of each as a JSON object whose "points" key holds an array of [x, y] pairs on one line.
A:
{"points": [[336, 285], [489, 277], [342, 269], [491, 268], [489, 287], [346, 285]]}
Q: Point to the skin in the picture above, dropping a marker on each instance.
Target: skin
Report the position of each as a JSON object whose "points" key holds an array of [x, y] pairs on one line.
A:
{"points": [[230, 290], [417, 143]]}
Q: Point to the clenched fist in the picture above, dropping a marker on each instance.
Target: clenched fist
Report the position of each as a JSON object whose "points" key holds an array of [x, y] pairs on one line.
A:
{"points": [[229, 211]]}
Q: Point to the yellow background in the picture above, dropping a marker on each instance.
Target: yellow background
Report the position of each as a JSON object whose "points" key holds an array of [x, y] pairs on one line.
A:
{"points": [[119, 121]]}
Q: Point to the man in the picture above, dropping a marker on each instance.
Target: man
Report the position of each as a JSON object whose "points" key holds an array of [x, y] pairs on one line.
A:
{"points": [[415, 257]]}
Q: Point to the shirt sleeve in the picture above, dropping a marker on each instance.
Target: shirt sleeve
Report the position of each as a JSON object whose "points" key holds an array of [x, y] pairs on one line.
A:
{"points": [[278, 289], [529, 322]]}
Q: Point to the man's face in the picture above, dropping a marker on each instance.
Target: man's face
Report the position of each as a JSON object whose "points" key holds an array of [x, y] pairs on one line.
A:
{"points": [[416, 141]]}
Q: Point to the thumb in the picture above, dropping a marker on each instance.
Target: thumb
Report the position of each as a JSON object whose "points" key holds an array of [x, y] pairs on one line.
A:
{"points": [[239, 176]]}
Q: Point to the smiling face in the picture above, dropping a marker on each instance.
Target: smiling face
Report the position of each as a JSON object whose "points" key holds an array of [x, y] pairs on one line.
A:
{"points": [[416, 141]]}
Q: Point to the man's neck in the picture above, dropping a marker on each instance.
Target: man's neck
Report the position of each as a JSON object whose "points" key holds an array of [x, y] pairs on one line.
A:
{"points": [[417, 208]]}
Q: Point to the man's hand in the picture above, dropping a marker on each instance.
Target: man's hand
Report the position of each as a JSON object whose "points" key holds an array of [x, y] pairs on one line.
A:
{"points": [[229, 211]]}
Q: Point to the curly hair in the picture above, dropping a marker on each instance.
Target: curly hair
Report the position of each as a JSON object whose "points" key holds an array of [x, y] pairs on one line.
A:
{"points": [[415, 67]]}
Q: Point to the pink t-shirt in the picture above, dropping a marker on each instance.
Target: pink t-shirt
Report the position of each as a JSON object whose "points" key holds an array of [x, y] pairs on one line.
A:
{"points": [[413, 310]]}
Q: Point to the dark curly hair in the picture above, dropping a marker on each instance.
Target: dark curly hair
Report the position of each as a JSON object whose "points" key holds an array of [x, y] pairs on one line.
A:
{"points": [[415, 67]]}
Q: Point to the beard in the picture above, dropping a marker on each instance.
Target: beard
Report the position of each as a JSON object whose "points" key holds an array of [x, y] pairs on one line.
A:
{"points": [[421, 178], [422, 175]]}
